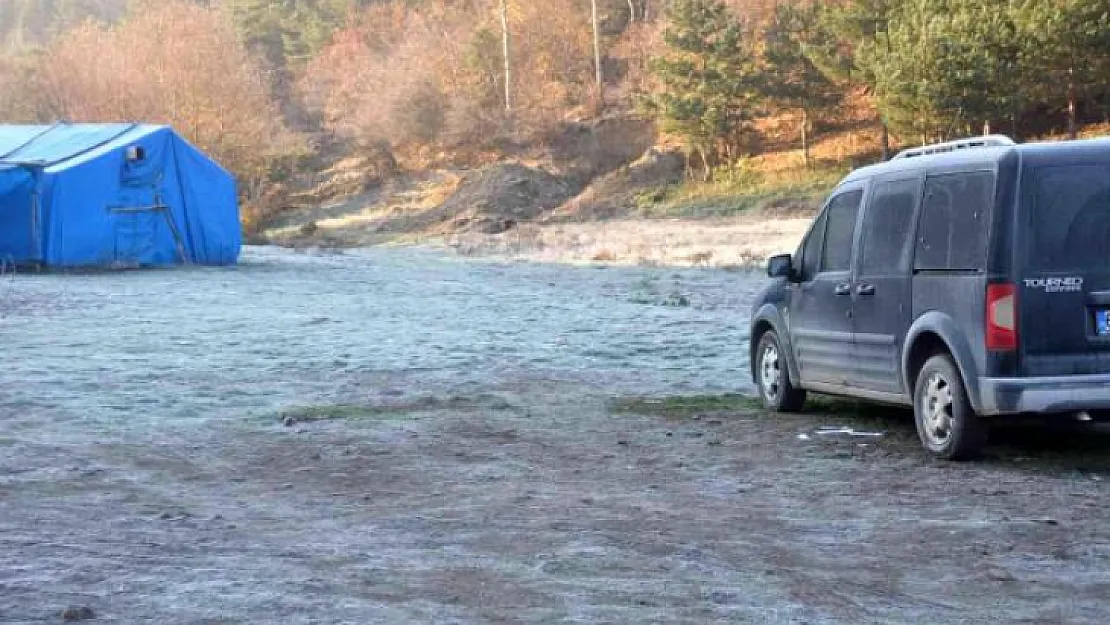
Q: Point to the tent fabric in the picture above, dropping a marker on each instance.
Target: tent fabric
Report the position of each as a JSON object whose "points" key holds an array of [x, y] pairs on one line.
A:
{"points": [[72, 195], [16, 190]]}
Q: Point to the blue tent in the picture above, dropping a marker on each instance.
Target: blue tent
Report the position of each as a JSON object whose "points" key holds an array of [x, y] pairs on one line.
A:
{"points": [[79, 195]]}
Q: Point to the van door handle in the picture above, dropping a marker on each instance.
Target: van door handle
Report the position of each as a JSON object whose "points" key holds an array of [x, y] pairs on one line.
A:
{"points": [[866, 289], [842, 289]]}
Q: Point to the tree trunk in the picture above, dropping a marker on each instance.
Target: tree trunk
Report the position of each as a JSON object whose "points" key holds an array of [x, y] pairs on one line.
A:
{"points": [[1072, 128], [507, 54], [805, 137], [986, 128], [631, 10], [597, 53], [884, 141]]}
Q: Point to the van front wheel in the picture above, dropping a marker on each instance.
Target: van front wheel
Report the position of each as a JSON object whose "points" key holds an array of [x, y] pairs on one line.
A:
{"points": [[773, 375], [946, 422]]}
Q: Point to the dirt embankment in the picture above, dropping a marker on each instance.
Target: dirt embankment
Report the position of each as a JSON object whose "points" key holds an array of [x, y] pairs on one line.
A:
{"points": [[494, 200], [579, 200], [615, 194]]}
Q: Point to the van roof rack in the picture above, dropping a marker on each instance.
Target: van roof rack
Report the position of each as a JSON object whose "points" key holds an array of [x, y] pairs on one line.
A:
{"points": [[959, 144]]}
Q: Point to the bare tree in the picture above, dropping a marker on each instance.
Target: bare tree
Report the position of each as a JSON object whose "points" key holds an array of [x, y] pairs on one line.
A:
{"points": [[507, 54], [177, 63], [597, 49]]}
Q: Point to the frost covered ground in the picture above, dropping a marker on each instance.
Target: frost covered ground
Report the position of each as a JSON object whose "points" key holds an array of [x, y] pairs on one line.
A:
{"points": [[162, 347], [392, 436]]}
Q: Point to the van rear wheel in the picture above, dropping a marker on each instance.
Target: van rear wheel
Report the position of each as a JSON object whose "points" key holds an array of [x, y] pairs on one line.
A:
{"points": [[773, 375], [946, 423]]}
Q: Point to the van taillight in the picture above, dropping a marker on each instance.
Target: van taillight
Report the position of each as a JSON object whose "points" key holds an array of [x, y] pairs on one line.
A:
{"points": [[1001, 319]]}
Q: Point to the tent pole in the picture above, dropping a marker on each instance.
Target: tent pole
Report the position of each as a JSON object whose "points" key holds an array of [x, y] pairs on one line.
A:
{"points": [[177, 240]]}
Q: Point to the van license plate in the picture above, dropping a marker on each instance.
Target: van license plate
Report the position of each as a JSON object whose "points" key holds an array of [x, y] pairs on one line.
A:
{"points": [[1102, 322]]}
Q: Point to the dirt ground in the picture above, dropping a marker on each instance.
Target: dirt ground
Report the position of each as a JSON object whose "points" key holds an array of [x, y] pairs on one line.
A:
{"points": [[545, 503], [394, 436]]}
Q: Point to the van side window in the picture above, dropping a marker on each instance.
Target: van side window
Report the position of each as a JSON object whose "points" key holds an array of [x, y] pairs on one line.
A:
{"points": [[887, 227], [955, 219], [840, 230], [811, 249]]}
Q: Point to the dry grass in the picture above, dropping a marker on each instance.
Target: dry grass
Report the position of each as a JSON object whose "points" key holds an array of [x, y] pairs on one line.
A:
{"points": [[1091, 131], [790, 191]]}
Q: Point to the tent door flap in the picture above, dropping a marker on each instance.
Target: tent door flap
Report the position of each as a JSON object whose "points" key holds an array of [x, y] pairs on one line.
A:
{"points": [[136, 234]]}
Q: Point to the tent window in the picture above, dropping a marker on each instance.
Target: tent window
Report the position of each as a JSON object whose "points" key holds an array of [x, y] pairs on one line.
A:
{"points": [[136, 153]]}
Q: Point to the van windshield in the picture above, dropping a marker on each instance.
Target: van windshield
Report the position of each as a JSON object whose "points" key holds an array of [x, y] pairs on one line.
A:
{"points": [[1069, 219]]}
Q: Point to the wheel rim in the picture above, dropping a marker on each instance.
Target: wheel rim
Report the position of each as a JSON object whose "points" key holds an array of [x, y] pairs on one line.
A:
{"points": [[936, 411], [770, 373]]}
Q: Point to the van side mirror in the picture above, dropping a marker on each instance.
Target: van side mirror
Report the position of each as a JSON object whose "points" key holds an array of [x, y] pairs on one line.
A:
{"points": [[780, 266]]}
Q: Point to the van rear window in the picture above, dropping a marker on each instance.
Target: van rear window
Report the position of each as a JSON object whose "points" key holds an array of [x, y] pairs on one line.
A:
{"points": [[1068, 218]]}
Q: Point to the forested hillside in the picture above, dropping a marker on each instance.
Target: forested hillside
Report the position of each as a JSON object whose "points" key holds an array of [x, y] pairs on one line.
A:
{"points": [[276, 86]]}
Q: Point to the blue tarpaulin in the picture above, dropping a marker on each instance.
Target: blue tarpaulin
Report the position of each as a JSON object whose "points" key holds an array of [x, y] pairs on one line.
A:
{"points": [[80, 195]]}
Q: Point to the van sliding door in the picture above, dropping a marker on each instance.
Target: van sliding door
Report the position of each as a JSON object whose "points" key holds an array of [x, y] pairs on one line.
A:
{"points": [[881, 288]]}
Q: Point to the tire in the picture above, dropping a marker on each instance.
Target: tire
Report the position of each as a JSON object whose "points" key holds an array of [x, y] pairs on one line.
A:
{"points": [[772, 375], [946, 423]]}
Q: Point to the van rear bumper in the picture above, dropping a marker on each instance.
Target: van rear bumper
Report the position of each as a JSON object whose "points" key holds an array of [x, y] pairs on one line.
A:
{"points": [[1003, 396]]}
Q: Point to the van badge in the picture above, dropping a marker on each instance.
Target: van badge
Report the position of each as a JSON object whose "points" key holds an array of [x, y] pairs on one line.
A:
{"points": [[1055, 285]]}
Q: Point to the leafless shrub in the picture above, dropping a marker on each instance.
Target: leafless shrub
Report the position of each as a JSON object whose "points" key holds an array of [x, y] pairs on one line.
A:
{"points": [[175, 63], [432, 73]]}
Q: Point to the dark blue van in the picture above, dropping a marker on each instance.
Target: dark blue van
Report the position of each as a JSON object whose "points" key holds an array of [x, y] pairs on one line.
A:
{"points": [[968, 279]]}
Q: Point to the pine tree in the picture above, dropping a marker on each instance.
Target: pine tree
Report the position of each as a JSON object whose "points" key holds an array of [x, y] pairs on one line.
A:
{"points": [[946, 68], [793, 39], [856, 26], [978, 64], [1071, 38], [708, 80], [287, 32]]}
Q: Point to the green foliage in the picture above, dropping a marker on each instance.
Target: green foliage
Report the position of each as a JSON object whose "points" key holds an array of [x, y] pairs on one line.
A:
{"points": [[288, 32], [945, 67], [939, 69], [1068, 41], [709, 79], [795, 43], [856, 24], [484, 68]]}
